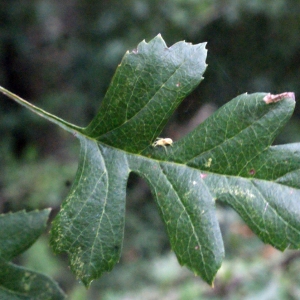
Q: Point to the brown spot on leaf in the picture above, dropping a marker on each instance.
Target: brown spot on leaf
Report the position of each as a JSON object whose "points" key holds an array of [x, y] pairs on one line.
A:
{"points": [[252, 172]]}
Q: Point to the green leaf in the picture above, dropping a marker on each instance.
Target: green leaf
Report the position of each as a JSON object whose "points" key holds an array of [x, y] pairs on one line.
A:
{"points": [[18, 232], [17, 283], [148, 85], [227, 158]]}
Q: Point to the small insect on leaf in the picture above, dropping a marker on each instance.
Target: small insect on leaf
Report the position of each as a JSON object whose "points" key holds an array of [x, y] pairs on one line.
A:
{"points": [[163, 142], [269, 98]]}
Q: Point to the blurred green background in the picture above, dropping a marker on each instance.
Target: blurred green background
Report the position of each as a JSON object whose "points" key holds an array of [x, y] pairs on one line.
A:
{"points": [[61, 55]]}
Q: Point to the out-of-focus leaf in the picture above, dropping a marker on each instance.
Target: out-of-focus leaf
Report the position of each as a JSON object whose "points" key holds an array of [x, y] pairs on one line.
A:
{"points": [[17, 283], [18, 232]]}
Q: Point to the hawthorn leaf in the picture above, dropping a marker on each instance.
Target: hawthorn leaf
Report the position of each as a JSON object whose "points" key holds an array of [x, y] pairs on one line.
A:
{"points": [[18, 232], [18, 283], [227, 158]]}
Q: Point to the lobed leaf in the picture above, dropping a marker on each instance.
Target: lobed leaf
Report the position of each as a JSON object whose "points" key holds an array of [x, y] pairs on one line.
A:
{"points": [[226, 158]]}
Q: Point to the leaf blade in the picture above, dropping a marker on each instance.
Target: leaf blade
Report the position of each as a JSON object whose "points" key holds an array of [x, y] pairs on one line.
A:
{"points": [[19, 283], [192, 226], [20, 230], [263, 206], [90, 224], [147, 87], [233, 129]]}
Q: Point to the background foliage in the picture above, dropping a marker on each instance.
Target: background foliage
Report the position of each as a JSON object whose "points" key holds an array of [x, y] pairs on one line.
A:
{"points": [[61, 57]]}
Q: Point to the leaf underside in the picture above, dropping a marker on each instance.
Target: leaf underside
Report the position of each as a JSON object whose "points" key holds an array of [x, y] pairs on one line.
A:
{"points": [[227, 158]]}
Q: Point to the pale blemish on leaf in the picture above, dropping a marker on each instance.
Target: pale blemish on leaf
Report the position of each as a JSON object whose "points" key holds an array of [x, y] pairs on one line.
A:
{"points": [[208, 163], [267, 204], [235, 191], [269, 98]]}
